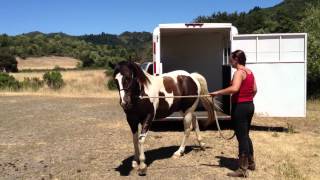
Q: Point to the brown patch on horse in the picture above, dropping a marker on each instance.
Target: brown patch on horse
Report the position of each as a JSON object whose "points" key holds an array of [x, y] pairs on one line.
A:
{"points": [[187, 87], [169, 85]]}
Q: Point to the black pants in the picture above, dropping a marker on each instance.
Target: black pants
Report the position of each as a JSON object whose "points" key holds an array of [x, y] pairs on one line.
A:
{"points": [[241, 116]]}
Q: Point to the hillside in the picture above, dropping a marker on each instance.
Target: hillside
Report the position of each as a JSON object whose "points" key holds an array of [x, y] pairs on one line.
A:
{"points": [[282, 18], [138, 44], [92, 50]]}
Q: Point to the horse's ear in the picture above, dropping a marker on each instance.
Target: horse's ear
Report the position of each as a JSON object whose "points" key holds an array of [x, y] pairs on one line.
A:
{"points": [[130, 59], [111, 65]]}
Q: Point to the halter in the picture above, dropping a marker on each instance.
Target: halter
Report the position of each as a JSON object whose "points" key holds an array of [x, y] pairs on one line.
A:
{"points": [[129, 86]]}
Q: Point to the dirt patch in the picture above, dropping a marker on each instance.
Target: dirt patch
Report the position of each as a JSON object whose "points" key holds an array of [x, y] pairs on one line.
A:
{"points": [[88, 138]]}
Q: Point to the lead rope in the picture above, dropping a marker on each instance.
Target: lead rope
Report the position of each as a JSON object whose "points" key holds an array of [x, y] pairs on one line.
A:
{"points": [[194, 96], [190, 96], [219, 129]]}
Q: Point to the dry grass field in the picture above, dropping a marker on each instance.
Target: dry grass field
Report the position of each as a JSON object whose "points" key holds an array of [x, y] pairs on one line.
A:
{"points": [[78, 83], [36, 63]]}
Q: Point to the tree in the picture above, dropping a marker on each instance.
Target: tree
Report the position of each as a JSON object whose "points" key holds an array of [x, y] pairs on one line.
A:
{"points": [[4, 40], [8, 63], [86, 60], [311, 25]]}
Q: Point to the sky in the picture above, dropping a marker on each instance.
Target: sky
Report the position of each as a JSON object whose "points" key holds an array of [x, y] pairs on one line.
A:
{"points": [[78, 17]]}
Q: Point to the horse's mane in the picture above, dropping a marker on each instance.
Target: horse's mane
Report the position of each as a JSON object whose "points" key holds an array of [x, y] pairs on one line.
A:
{"points": [[139, 74]]}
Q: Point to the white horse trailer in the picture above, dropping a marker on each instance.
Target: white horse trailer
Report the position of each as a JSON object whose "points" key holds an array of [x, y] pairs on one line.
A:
{"points": [[279, 62]]}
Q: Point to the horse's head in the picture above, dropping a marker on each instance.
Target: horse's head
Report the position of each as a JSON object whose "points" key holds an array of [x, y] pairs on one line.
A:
{"points": [[130, 80]]}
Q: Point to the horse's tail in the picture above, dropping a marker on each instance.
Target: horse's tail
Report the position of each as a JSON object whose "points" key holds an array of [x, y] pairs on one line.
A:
{"points": [[209, 104]]}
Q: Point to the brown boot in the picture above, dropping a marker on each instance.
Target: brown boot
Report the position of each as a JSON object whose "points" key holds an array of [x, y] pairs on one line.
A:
{"points": [[243, 166], [252, 164]]}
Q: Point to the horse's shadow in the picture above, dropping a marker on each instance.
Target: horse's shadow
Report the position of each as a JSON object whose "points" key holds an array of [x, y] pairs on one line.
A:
{"points": [[152, 155]]}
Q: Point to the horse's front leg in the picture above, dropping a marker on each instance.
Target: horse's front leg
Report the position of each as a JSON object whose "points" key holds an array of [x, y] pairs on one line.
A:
{"points": [[142, 137], [133, 123], [135, 162]]}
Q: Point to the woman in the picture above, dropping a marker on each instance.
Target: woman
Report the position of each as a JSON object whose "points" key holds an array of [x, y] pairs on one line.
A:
{"points": [[242, 89]]}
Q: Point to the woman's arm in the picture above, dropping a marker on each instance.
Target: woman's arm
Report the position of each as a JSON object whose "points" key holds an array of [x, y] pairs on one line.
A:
{"points": [[236, 83]]}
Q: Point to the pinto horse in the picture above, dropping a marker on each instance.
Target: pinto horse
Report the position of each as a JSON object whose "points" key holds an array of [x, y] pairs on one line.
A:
{"points": [[132, 83]]}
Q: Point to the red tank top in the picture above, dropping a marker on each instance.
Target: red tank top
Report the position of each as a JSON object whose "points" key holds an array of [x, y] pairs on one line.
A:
{"points": [[245, 93]]}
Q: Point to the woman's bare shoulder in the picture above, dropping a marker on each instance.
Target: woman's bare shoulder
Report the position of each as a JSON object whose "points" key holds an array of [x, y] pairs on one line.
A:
{"points": [[248, 70]]}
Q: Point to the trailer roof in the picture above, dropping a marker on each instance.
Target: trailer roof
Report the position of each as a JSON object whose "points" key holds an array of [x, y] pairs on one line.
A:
{"points": [[196, 25]]}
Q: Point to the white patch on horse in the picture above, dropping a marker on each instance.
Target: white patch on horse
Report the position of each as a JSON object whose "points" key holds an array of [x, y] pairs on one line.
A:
{"points": [[152, 90], [119, 79], [168, 100]]}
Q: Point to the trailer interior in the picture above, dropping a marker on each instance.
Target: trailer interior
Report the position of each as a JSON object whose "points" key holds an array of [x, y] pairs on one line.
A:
{"points": [[203, 50]]}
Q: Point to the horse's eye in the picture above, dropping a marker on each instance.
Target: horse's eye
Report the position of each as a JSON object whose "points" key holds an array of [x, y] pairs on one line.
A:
{"points": [[125, 80]]}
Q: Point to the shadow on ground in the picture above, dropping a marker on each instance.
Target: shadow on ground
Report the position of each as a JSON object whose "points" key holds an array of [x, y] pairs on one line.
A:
{"points": [[152, 155], [166, 152]]}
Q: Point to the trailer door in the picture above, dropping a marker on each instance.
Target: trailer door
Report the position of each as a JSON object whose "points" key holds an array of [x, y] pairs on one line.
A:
{"points": [[279, 63]]}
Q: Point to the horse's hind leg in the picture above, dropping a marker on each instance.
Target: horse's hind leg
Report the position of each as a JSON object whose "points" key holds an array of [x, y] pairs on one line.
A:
{"points": [[197, 131], [187, 123]]}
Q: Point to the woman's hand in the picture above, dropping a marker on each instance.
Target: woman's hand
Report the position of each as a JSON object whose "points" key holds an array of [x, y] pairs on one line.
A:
{"points": [[213, 94]]}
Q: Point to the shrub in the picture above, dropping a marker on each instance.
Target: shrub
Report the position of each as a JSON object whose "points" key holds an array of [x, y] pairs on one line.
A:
{"points": [[8, 63], [112, 84], [8, 82], [108, 72], [32, 83], [53, 79], [86, 59], [58, 68]]}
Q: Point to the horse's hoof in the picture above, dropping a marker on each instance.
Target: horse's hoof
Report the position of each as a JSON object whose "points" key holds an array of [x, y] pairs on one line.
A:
{"points": [[135, 165], [202, 146], [177, 155], [142, 172]]}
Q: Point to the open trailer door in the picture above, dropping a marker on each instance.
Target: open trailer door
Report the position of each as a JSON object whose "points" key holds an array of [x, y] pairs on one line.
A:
{"points": [[279, 63]]}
